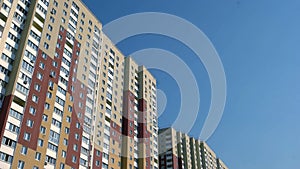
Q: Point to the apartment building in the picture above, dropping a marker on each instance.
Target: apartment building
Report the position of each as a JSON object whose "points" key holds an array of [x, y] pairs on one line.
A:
{"points": [[68, 96], [140, 127], [221, 164], [209, 158], [168, 149], [179, 151]]}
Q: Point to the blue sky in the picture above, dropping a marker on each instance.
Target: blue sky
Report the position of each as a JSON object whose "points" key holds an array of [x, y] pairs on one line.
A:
{"points": [[259, 45]]}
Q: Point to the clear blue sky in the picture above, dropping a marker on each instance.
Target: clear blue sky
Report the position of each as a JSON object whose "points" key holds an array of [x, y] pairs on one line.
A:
{"points": [[259, 45]]}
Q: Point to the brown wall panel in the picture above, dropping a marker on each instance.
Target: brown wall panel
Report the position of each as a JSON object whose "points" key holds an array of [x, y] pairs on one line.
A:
{"points": [[4, 114]]}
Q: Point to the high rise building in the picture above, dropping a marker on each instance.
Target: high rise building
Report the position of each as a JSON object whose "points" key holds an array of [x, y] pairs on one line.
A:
{"points": [[209, 158], [140, 128], [179, 151], [69, 98], [221, 164]]}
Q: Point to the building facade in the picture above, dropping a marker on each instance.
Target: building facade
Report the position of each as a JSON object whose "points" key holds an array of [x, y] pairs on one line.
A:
{"points": [[179, 151], [140, 128], [221, 164], [69, 98]]}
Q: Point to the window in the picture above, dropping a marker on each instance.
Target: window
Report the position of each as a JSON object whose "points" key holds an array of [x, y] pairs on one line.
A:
{"points": [[39, 76], [60, 101], [13, 37], [51, 84], [48, 36], [54, 137], [52, 73], [83, 162], [7, 58], [105, 156], [62, 166], [47, 106], [75, 147], [35, 36], [5, 7], [71, 99], [24, 150], [8, 142], [16, 28], [66, 5], [63, 20], [40, 142], [53, 11], [67, 130], [21, 164], [29, 123], [50, 160], [43, 130], [58, 111], [85, 140], [13, 128], [76, 136], [32, 45], [65, 142], [68, 119], [50, 27], [74, 159], [9, 47], [105, 166], [6, 158], [38, 156], [56, 123], [97, 163], [26, 136], [52, 19], [49, 95], [55, 3], [35, 98], [64, 154], [46, 45], [78, 125], [37, 87], [26, 66], [52, 147], [54, 64], [15, 114], [44, 56], [45, 117]]}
